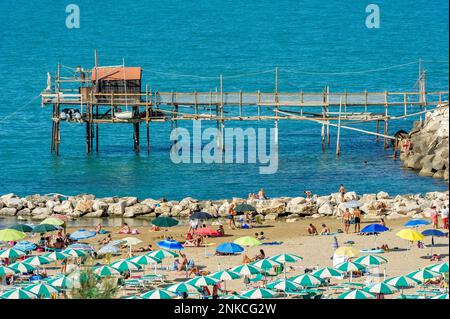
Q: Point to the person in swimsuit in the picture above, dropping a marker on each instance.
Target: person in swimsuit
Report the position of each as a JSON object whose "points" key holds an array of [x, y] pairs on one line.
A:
{"points": [[231, 214], [325, 230], [357, 217], [342, 191], [312, 230], [346, 217]]}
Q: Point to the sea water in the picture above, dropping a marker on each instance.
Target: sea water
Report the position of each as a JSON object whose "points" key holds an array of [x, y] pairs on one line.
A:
{"points": [[185, 46]]}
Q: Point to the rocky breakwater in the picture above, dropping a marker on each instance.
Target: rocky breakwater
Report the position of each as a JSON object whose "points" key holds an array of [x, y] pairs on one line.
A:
{"points": [[38, 207], [429, 145]]}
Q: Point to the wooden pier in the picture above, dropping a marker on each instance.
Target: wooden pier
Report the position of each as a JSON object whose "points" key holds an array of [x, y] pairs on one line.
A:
{"points": [[99, 96]]}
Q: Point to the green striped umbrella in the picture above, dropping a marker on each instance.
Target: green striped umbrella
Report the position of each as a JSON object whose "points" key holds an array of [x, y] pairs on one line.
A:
{"points": [[162, 253], [370, 260], [265, 264], [22, 267], [56, 255], [259, 293], [246, 270], [22, 227], [37, 261], [75, 252], [443, 296], [225, 275], [182, 287], [286, 258], [327, 272], [381, 288], [401, 282], [158, 294], [441, 268], [145, 260], [125, 265], [11, 253], [42, 289], [356, 294], [18, 293], [349, 266], [233, 297], [106, 271], [423, 275], [284, 285], [202, 281], [61, 281], [6, 271], [307, 280]]}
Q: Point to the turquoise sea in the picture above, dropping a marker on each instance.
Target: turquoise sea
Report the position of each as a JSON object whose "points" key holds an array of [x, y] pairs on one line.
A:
{"points": [[185, 45]]}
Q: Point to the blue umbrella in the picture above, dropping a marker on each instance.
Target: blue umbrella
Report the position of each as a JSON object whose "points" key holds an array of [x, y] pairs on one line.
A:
{"points": [[229, 248], [200, 215], [82, 234], [432, 233], [170, 244], [25, 246], [374, 228], [416, 222], [108, 249]]}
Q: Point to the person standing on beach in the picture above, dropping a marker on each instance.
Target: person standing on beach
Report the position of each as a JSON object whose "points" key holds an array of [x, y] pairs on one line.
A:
{"points": [[357, 217], [444, 217], [346, 217], [435, 217], [231, 214], [342, 191]]}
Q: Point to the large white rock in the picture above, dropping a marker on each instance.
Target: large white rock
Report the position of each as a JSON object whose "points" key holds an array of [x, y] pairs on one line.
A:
{"points": [[326, 209], [117, 209]]}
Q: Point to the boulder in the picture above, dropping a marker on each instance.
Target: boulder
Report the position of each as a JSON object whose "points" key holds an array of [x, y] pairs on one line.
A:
{"points": [[150, 202], [163, 209], [99, 205], [296, 205], [129, 201], [320, 200], [8, 211], [96, 214], [223, 209], [272, 206], [136, 210], [24, 212], [326, 209], [64, 208], [382, 195], [271, 216], [117, 209], [84, 206], [41, 211], [14, 202]]}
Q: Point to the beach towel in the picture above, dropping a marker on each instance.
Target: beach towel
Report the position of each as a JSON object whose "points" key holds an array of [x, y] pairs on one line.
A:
{"points": [[273, 243]]}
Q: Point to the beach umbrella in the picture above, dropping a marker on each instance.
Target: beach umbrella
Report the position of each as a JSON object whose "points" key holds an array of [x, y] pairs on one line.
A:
{"points": [[6, 271], [44, 228], [374, 228], [11, 253], [244, 208], [351, 204], [37, 260], [116, 242], [440, 268], [370, 260], [75, 252], [22, 267], [416, 223], [233, 297], [162, 253], [182, 287], [82, 234], [443, 296], [259, 293], [206, 231], [42, 289], [62, 282], [170, 244], [286, 258], [125, 265], [247, 241], [265, 263], [106, 271], [165, 221], [81, 246], [225, 275], [246, 270], [356, 294], [53, 221], [108, 249], [202, 281], [346, 251], [307, 280], [423, 275], [131, 241], [25, 246], [18, 293], [200, 215], [229, 248], [434, 233], [145, 260], [57, 255], [401, 282], [22, 227], [131, 297], [381, 288], [349, 266], [284, 285], [327, 272], [158, 294], [410, 235], [11, 235]]}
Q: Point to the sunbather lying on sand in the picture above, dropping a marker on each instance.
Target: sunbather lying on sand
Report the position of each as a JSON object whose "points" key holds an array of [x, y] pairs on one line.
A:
{"points": [[197, 272]]}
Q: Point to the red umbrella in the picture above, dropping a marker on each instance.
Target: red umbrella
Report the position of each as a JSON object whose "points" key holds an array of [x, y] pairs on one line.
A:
{"points": [[205, 231]]}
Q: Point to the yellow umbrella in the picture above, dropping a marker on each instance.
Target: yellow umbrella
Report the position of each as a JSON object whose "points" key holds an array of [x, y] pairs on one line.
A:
{"points": [[346, 251], [53, 221], [247, 241], [11, 235], [410, 235]]}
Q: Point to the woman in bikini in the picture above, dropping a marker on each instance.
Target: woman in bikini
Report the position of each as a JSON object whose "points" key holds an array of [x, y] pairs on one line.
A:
{"points": [[231, 214]]}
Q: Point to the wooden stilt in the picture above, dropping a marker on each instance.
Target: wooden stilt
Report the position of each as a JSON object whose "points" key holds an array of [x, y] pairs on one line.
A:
{"points": [[96, 129], [386, 121], [338, 137], [378, 131]]}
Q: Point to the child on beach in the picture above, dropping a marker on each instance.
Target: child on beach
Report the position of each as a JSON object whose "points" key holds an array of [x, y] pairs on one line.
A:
{"points": [[325, 230]]}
